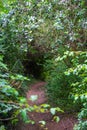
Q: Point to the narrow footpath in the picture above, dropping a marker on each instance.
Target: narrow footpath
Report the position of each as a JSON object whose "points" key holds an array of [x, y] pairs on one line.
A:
{"points": [[66, 121]]}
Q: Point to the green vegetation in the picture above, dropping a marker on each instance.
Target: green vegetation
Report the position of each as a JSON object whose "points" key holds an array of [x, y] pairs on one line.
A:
{"points": [[48, 37], [69, 80]]}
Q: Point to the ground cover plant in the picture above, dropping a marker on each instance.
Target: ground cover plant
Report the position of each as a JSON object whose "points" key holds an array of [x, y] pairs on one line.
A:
{"points": [[47, 40]]}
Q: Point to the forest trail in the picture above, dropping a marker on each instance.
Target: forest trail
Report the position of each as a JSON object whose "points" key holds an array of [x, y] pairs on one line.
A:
{"points": [[66, 121]]}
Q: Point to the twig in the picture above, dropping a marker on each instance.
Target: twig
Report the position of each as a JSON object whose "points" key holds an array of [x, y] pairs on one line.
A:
{"points": [[1, 101], [7, 119]]}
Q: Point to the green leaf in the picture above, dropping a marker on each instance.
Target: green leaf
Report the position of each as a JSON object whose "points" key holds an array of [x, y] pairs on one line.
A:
{"points": [[45, 105], [53, 111], [42, 122], [24, 114], [14, 121], [2, 65], [22, 100], [56, 118], [59, 110], [33, 98]]}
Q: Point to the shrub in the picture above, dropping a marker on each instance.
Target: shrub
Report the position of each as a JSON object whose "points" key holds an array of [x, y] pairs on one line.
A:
{"points": [[67, 80], [11, 103], [82, 117]]}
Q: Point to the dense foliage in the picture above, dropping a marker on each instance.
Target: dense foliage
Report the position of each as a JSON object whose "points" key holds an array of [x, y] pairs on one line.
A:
{"points": [[11, 102], [69, 74], [51, 35]]}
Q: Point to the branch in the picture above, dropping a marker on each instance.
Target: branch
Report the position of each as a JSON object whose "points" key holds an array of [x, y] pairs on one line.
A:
{"points": [[10, 102], [7, 119]]}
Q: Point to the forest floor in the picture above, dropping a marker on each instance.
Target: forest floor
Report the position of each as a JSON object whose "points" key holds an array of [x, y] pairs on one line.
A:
{"points": [[67, 121]]}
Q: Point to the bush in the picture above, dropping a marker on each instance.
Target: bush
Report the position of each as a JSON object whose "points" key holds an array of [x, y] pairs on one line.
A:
{"points": [[82, 117], [67, 80], [11, 103]]}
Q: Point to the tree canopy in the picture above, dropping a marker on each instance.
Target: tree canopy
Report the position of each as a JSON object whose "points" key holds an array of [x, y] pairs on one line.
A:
{"points": [[48, 36]]}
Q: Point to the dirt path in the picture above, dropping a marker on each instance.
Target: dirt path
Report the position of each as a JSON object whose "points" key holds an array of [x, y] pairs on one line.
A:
{"points": [[66, 121]]}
